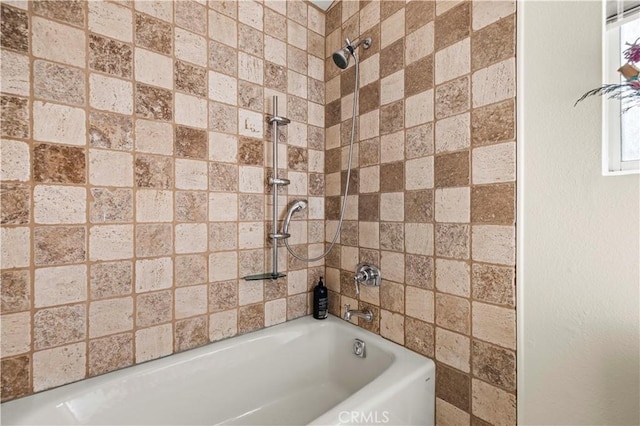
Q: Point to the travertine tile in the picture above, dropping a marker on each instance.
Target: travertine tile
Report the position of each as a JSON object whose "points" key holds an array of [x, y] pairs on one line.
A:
{"points": [[112, 20], [452, 241], [58, 366], [493, 204], [110, 279], [419, 238], [191, 238], [392, 326], [191, 333], [15, 31], [494, 324], [453, 97], [392, 28], [419, 173], [419, 43], [110, 131], [419, 109], [153, 240], [110, 353], [192, 47], [223, 29], [494, 43], [110, 56], [190, 110], [154, 308], [154, 137], [16, 376], [275, 312], [60, 285], [453, 133], [59, 123], [16, 334], [153, 68], [154, 103], [58, 326], [392, 177], [494, 244], [223, 324], [495, 163], [251, 317], [492, 404], [453, 277], [419, 141], [14, 120], [493, 123], [453, 349], [59, 245], [453, 387], [447, 414], [418, 14], [419, 337], [15, 71], [484, 13], [154, 342], [153, 34], [58, 83], [453, 25], [223, 295], [420, 303], [190, 270], [110, 94], [453, 313], [494, 83], [110, 205], [223, 266], [15, 199], [494, 364], [453, 205], [110, 168], [16, 247], [391, 118], [110, 316], [223, 207], [191, 301], [111, 242], [453, 61], [153, 274], [452, 169], [57, 42], [14, 161], [59, 204], [192, 16], [158, 8], [494, 284], [16, 291]]}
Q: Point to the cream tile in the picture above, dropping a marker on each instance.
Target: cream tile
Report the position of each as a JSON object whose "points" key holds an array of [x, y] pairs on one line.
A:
{"points": [[494, 83], [316, 67], [392, 326], [275, 51], [158, 8], [154, 137], [16, 247], [154, 205], [297, 35], [223, 324], [453, 349], [492, 404], [370, 70], [419, 43], [418, 109], [444, 5], [369, 179], [110, 168], [392, 207], [250, 292], [251, 13], [112, 20], [59, 123], [250, 123], [453, 277], [393, 266], [488, 12], [370, 125], [191, 301], [392, 147], [275, 311], [153, 274], [60, 285], [419, 238], [223, 88], [493, 244], [454, 61], [59, 204], [110, 94], [250, 68], [392, 28], [15, 73], [419, 173], [191, 111], [16, 334], [494, 163], [223, 29], [223, 266], [348, 257], [297, 84], [191, 174], [369, 16], [447, 414], [419, 303], [190, 47], [153, 68], [223, 207], [191, 238], [14, 160], [110, 316], [453, 133], [453, 205], [316, 20], [60, 43], [110, 242], [392, 88], [252, 180], [58, 366], [369, 234], [154, 342], [223, 148], [494, 324]]}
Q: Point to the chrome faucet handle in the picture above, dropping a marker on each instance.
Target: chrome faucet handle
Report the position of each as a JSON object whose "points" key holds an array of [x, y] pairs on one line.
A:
{"points": [[347, 314], [357, 281]]}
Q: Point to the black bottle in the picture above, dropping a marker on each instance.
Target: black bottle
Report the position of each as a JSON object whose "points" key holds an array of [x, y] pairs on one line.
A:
{"points": [[320, 301]]}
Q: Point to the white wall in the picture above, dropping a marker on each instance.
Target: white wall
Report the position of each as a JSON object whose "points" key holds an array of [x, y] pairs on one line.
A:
{"points": [[579, 244]]}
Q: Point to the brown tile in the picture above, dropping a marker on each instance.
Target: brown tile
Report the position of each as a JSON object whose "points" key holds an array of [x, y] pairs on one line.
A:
{"points": [[494, 364], [333, 258], [110, 56], [297, 60], [453, 313], [354, 182], [452, 240], [59, 245], [316, 184], [16, 291], [111, 205], [14, 115], [294, 263], [154, 240], [452, 97], [392, 177], [154, 34], [315, 44], [454, 387], [276, 289], [223, 58], [389, 7], [332, 208], [493, 43], [333, 18], [153, 171], [14, 203], [275, 77], [419, 336], [250, 317], [392, 58], [330, 69], [476, 421], [297, 108], [349, 233], [452, 169], [418, 206], [250, 40], [191, 15], [345, 132], [59, 164], [223, 177], [335, 308], [226, 7], [16, 376], [110, 279], [315, 90], [190, 78], [391, 236], [419, 141], [369, 98], [58, 83], [418, 76], [154, 308], [373, 326], [251, 207], [392, 117], [392, 297], [223, 296], [493, 204], [369, 207], [493, 123], [110, 131], [191, 143], [250, 96], [154, 103], [351, 28], [493, 284], [70, 11], [191, 206], [332, 160], [223, 118], [453, 25], [190, 270], [419, 271], [110, 353], [369, 152], [15, 29], [297, 158], [347, 287], [298, 12], [58, 326], [251, 151], [296, 306], [191, 333], [374, 34], [333, 113], [418, 13], [275, 24]]}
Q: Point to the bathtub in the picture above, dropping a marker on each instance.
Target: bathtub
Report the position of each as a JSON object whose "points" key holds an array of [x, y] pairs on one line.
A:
{"points": [[302, 372]]}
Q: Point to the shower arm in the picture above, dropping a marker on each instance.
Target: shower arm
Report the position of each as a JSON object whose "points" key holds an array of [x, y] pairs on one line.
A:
{"points": [[346, 189]]}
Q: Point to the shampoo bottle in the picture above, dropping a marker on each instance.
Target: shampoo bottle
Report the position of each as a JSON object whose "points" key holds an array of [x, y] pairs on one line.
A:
{"points": [[320, 301]]}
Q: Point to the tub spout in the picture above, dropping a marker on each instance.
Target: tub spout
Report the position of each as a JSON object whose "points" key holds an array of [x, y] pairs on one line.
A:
{"points": [[365, 314]]}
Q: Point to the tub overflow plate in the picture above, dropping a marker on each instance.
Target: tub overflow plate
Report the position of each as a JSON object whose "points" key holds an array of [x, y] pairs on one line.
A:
{"points": [[359, 348]]}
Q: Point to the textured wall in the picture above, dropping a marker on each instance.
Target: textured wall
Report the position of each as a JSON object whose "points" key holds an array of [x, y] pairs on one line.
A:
{"points": [[133, 170], [432, 200]]}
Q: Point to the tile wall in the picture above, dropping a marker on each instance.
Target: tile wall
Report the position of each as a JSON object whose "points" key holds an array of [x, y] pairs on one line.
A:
{"points": [[134, 156], [432, 196]]}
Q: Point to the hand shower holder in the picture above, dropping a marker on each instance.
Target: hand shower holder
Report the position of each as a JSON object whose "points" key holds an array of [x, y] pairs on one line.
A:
{"points": [[279, 181]]}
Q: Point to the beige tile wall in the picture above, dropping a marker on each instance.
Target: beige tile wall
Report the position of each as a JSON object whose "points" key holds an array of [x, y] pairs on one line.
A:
{"points": [[134, 156], [433, 193]]}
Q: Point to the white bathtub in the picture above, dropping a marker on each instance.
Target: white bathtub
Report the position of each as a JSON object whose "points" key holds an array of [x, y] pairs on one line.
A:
{"points": [[297, 373]]}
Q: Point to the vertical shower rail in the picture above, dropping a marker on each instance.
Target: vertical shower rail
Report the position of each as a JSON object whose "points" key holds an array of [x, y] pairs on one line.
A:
{"points": [[275, 182]]}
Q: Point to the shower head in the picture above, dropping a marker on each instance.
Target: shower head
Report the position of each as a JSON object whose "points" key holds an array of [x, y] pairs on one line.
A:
{"points": [[295, 207], [298, 205], [341, 56]]}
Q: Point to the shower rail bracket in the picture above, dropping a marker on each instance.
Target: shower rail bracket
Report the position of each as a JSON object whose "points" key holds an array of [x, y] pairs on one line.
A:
{"points": [[278, 120], [279, 181], [279, 236]]}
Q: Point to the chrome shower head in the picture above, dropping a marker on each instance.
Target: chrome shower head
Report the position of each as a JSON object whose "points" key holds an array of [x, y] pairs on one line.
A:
{"points": [[341, 56], [298, 205], [295, 207]]}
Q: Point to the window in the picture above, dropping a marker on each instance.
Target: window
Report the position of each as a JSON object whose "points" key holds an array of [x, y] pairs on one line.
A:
{"points": [[621, 138]]}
